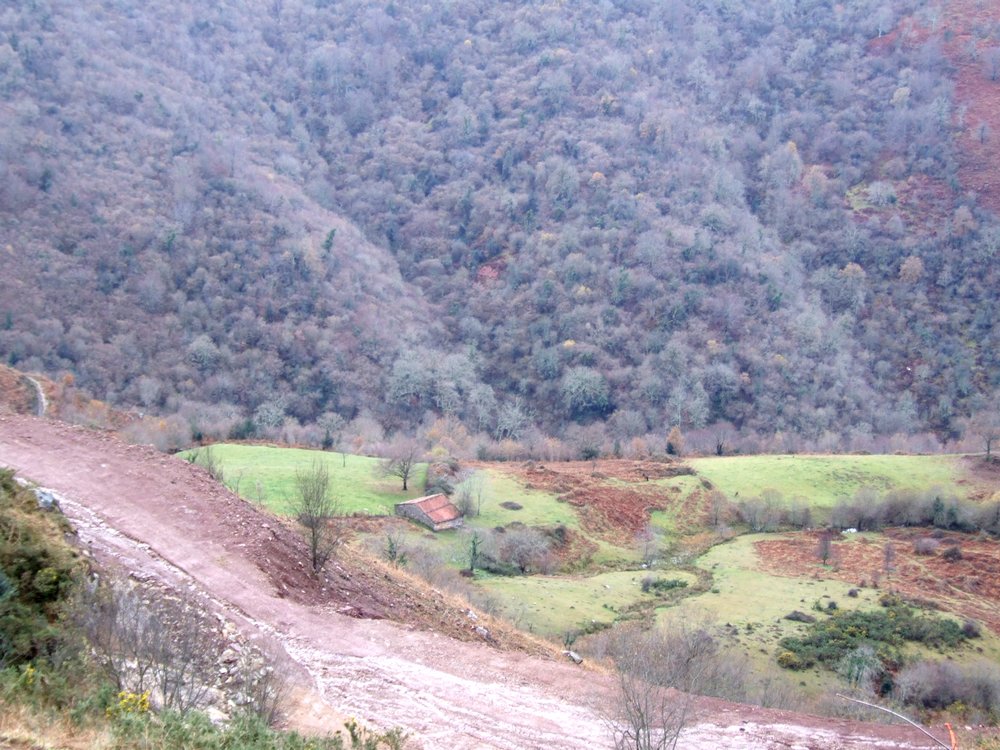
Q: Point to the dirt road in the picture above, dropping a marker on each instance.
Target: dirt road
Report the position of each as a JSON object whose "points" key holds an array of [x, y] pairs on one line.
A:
{"points": [[158, 516]]}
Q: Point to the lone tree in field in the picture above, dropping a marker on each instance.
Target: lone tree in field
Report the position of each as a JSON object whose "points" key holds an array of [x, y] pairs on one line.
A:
{"points": [[824, 547], [475, 543], [470, 493], [315, 508], [986, 424], [402, 457]]}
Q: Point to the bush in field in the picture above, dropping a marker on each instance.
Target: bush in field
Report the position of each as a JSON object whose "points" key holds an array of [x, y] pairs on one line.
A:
{"points": [[938, 685], [528, 550], [860, 667], [925, 546], [952, 554], [661, 585], [829, 641]]}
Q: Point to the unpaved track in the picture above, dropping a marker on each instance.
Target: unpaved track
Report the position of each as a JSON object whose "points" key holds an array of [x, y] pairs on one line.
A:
{"points": [[158, 516]]}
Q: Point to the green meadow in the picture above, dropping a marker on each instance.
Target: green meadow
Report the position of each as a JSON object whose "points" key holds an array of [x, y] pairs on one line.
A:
{"points": [[743, 595], [747, 605], [267, 475], [552, 605], [821, 480], [539, 508]]}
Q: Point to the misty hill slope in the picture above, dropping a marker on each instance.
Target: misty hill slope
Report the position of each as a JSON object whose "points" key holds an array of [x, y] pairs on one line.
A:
{"points": [[553, 214]]}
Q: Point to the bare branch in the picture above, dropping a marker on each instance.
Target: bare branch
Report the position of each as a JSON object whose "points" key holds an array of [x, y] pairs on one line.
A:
{"points": [[911, 722]]}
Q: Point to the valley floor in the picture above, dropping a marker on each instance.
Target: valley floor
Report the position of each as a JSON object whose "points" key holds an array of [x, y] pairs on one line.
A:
{"points": [[159, 517]]}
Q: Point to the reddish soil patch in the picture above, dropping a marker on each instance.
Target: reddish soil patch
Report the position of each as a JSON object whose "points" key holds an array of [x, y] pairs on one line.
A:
{"points": [[16, 394], [968, 587], [967, 46], [613, 498], [614, 513], [984, 475], [573, 548], [978, 152]]}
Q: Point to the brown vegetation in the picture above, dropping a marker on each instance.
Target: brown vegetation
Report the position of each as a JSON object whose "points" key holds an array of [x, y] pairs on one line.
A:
{"points": [[613, 498], [968, 585], [16, 394]]}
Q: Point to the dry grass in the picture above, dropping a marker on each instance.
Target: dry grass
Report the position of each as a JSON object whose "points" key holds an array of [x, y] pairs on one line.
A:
{"points": [[449, 611], [22, 728]]}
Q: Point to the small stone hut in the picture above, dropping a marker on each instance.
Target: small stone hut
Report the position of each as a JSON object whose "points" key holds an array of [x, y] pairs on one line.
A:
{"points": [[436, 512]]}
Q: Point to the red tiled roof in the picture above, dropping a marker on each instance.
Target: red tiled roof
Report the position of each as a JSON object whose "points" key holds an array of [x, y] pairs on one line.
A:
{"points": [[437, 507]]}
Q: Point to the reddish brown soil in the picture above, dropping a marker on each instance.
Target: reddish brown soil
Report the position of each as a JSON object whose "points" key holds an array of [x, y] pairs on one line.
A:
{"points": [[964, 26], [574, 548], [16, 394], [165, 520], [608, 508], [984, 476], [969, 587], [978, 94]]}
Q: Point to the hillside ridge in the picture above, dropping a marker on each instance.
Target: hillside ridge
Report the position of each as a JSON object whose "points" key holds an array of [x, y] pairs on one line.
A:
{"points": [[593, 221]]}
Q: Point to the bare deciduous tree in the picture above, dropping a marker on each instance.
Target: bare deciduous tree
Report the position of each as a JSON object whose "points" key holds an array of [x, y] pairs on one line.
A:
{"points": [[160, 644], [210, 462], [315, 507], [471, 492], [526, 549], [986, 424], [824, 547], [402, 457], [659, 670], [888, 557], [648, 543], [719, 507]]}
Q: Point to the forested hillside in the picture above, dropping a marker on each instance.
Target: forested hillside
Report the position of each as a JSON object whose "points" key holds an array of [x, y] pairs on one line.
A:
{"points": [[635, 214]]}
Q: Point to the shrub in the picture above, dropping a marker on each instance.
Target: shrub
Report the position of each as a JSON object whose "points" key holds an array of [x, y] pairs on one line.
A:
{"points": [[526, 549], [952, 553], [938, 685], [797, 616], [790, 660], [971, 629], [925, 546], [661, 585], [37, 573], [829, 641], [860, 667]]}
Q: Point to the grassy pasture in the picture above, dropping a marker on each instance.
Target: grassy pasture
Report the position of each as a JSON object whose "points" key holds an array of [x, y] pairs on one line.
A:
{"points": [[552, 605], [747, 606], [746, 595], [354, 481], [821, 480], [753, 603], [539, 508]]}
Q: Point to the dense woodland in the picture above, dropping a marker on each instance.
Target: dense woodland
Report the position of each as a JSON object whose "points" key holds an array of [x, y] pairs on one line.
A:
{"points": [[594, 220]]}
